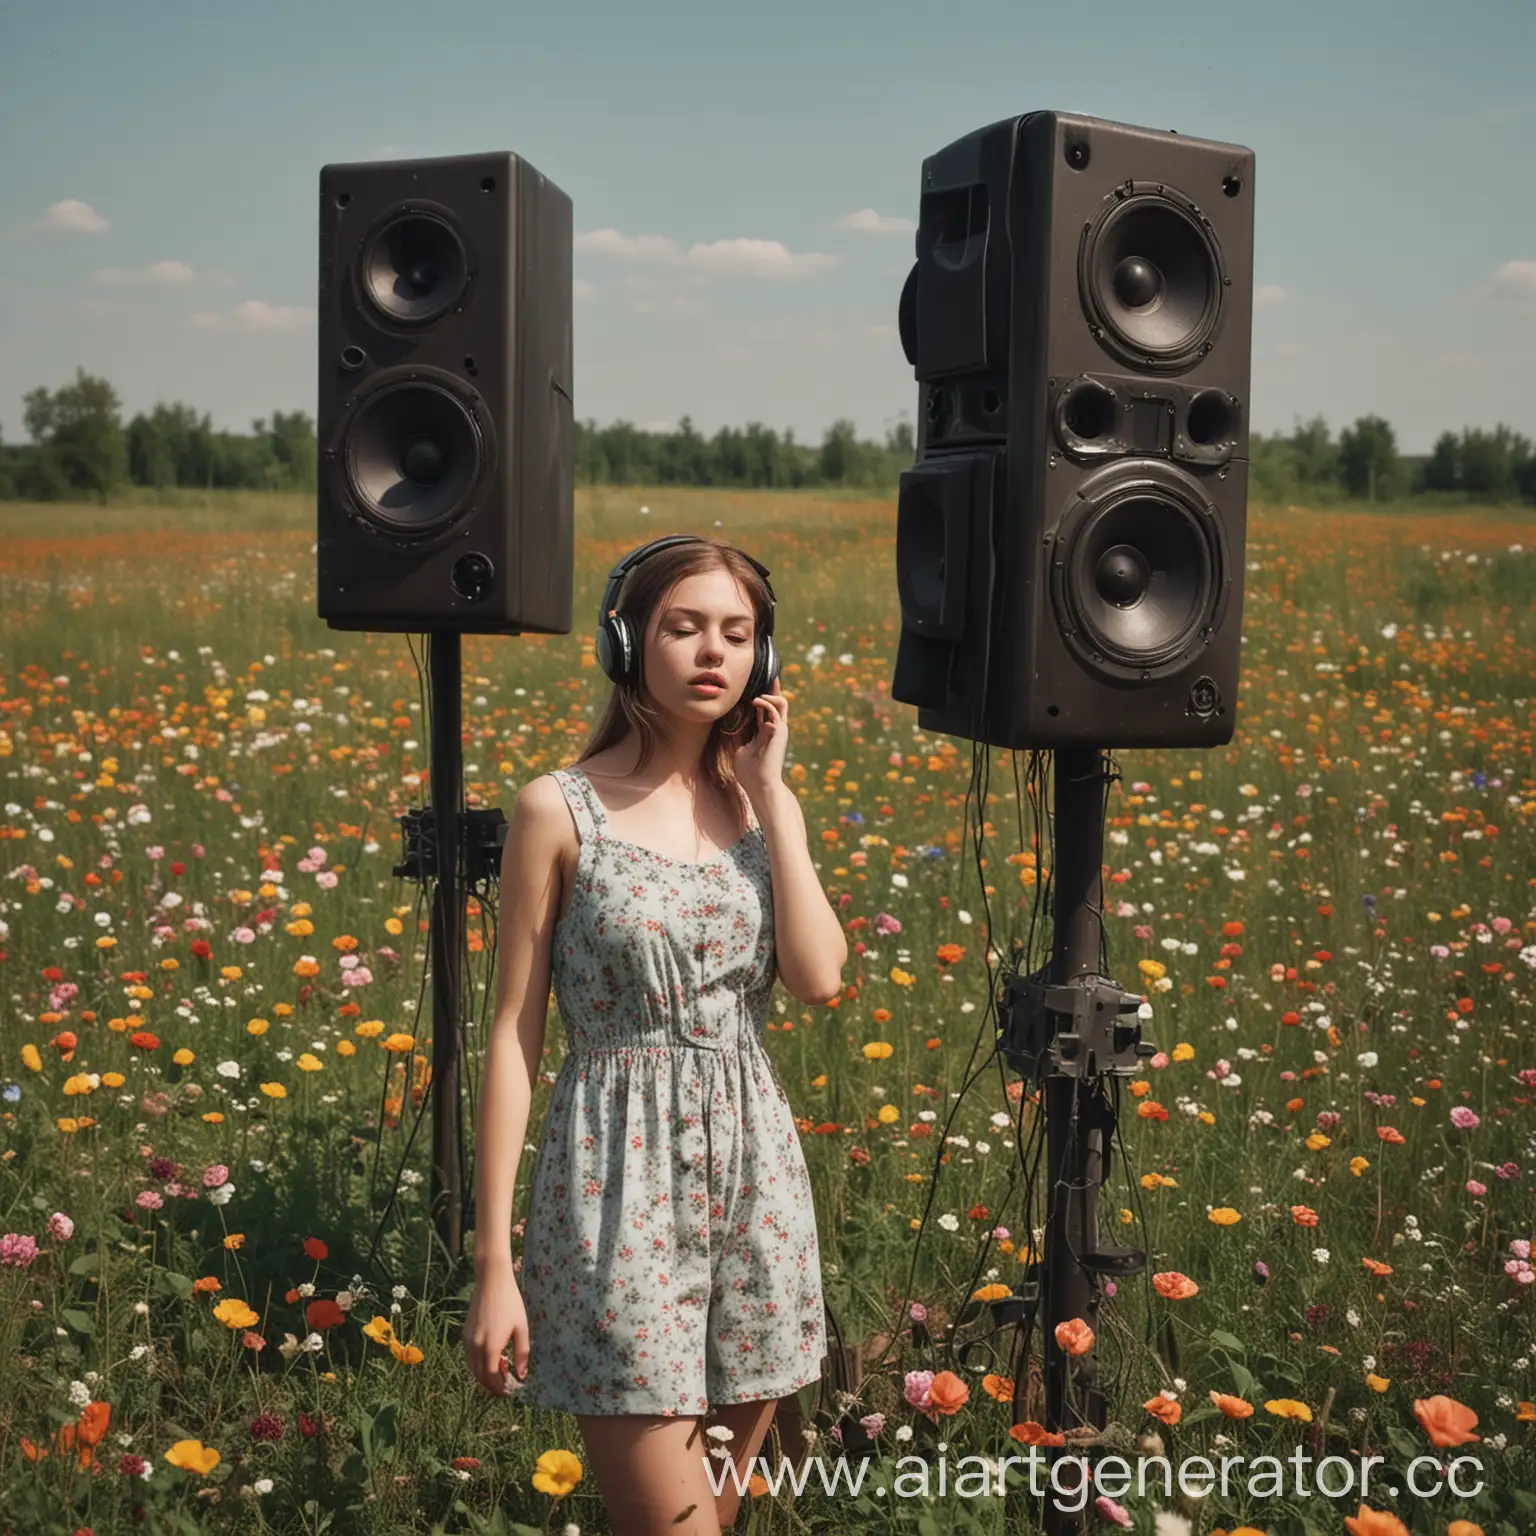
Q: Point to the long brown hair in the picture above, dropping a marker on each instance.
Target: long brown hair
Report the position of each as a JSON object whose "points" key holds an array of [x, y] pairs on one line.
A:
{"points": [[627, 709]]}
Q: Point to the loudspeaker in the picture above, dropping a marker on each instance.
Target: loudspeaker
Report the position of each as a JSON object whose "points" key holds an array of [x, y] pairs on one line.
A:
{"points": [[446, 487], [1070, 539]]}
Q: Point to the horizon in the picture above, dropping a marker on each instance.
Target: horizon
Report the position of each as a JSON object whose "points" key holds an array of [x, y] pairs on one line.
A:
{"points": [[741, 236]]}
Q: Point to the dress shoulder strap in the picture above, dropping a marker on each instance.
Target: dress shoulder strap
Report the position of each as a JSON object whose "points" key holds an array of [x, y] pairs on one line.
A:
{"points": [[586, 808]]}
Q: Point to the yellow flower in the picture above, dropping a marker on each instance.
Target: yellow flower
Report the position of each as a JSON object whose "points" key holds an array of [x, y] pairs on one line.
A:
{"points": [[380, 1329], [300, 928], [235, 1314], [213, 1117], [230, 972], [1358, 1165], [184, 1057], [406, 1354], [30, 1057], [399, 1042], [346, 1048], [1289, 1408], [878, 1050], [112, 1079], [233, 1242], [887, 1114], [78, 1084], [368, 1028], [993, 1292], [193, 1456], [1183, 1051], [257, 1027], [309, 1063], [1317, 1141], [1377, 1383], [274, 1090], [556, 1473], [1225, 1216], [393, 925], [1153, 970]]}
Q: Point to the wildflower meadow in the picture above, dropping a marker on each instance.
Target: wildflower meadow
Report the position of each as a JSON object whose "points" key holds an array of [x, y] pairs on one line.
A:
{"points": [[222, 1304]]}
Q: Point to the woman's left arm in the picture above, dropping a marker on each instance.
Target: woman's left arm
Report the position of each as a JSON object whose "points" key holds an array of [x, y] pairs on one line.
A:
{"points": [[812, 947]]}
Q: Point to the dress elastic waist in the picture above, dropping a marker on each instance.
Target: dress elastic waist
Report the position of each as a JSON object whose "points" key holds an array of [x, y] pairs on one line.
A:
{"points": [[713, 1046]]}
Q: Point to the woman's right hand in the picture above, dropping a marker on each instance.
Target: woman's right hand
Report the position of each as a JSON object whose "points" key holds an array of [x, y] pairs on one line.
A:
{"points": [[496, 1317]]}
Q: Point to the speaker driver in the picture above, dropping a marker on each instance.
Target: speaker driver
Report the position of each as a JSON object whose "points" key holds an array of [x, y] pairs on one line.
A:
{"points": [[1151, 277], [413, 454], [1137, 573], [414, 267]]}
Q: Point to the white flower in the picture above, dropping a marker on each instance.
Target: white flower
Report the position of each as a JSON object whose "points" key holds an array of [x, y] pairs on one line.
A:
{"points": [[1320, 1254], [949, 1221], [262, 1485], [79, 1393]]}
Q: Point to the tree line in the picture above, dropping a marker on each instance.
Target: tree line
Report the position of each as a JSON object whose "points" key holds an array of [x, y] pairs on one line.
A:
{"points": [[81, 448]]}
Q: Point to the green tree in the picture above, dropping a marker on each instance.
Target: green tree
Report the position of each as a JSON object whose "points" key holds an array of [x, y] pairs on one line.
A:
{"points": [[1489, 461], [1442, 469], [1368, 459], [80, 425], [1315, 455]]}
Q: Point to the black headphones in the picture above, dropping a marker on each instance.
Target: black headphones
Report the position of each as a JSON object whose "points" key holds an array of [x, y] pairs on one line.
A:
{"points": [[618, 649]]}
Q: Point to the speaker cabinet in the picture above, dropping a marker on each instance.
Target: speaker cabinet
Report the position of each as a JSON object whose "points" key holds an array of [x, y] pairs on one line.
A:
{"points": [[446, 490], [1079, 321]]}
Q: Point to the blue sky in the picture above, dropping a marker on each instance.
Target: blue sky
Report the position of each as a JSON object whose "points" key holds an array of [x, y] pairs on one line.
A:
{"points": [[158, 189]]}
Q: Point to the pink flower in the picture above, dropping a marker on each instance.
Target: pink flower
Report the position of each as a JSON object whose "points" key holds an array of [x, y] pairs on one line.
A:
{"points": [[1476, 1190], [1160, 1060], [873, 1423], [1117, 1514], [60, 1227], [1520, 1247], [214, 1175], [244, 935], [917, 1387], [154, 852], [18, 1249], [357, 975], [148, 1200], [917, 1311], [1464, 1119], [885, 924], [327, 879]]}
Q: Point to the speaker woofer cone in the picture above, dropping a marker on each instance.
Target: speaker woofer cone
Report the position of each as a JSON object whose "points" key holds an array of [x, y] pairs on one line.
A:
{"points": [[414, 267], [1152, 278], [1140, 572], [413, 455]]}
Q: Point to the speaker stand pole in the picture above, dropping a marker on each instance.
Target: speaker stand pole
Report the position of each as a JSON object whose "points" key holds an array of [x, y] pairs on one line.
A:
{"points": [[443, 678], [1074, 1138]]}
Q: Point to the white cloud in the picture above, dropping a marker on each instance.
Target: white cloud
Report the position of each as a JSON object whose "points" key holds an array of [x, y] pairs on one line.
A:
{"points": [[744, 256], [74, 217], [155, 272], [609, 242], [253, 315], [757, 258], [1268, 294], [867, 221], [1513, 283]]}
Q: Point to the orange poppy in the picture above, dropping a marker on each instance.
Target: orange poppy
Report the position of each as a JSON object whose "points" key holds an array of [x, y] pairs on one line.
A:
{"points": [[1445, 1421]]}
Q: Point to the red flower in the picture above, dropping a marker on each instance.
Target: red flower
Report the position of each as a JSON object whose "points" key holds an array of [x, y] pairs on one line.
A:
{"points": [[202, 949], [310, 1427], [144, 1040], [315, 1248], [323, 1313]]}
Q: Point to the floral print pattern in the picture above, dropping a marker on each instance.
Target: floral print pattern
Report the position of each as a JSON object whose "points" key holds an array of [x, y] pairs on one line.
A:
{"points": [[670, 1256]]}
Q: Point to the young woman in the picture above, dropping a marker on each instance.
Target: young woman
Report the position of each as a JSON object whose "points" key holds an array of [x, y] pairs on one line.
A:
{"points": [[671, 1272]]}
